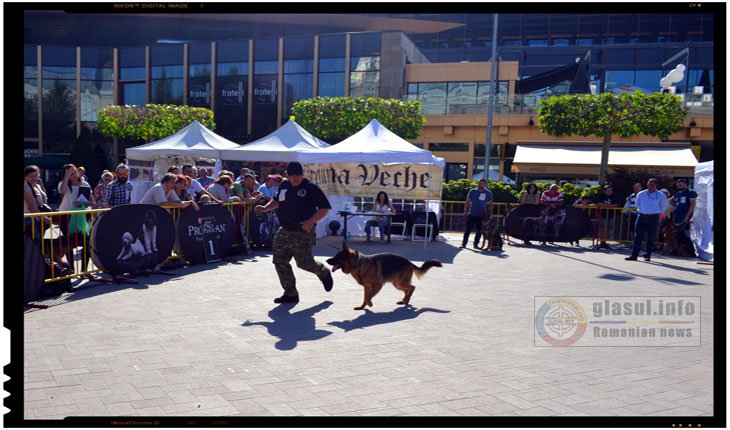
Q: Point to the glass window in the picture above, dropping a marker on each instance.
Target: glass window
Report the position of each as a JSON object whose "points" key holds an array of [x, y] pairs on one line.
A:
{"points": [[266, 50], [561, 42], [363, 64], [199, 70], [451, 147], [462, 93], [455, 171], [231, 106], [161, 55], [130, 73], [133, 93], [332, 46], [648, 80], [199, 53], [433, 98], [30, 107], [297, 86], [616, 78], [537, 42], [364, 84], [132, 57], [30, 72], [620, 56], [166, 91], [298, 47], [500, 96], [365, 44], [58, 56], [232, 51], [59, 100], [331, 65], [30, 55], [162, 72], [233, 69], [266, 67], [58, 72], [298, 66], [95, 95], [331, 84], [97, 73], [584, 42]]}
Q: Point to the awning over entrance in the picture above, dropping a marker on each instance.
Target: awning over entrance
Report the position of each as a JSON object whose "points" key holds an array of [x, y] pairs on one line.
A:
{"points": [[535, 160]]}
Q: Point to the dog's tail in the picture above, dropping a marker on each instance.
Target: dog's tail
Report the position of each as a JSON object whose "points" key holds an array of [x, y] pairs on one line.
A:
{"points": [[420, 271]]}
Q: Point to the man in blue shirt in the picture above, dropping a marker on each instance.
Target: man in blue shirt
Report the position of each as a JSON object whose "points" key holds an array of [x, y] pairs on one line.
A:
{"points": [[684, 202], [475, 208], [649, 203]]}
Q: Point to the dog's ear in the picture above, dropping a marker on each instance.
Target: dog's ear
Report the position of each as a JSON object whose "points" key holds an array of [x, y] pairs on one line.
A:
{"points": [[344, 245]]}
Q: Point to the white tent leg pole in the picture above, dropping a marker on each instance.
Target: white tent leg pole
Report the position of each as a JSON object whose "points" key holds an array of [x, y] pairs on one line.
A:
{"points": [[428, 200]]}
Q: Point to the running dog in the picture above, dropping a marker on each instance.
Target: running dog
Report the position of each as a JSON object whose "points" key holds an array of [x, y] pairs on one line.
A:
{"points": [[373, 271], [148, 235], [130, 247], [675, 240], [490, 233]]}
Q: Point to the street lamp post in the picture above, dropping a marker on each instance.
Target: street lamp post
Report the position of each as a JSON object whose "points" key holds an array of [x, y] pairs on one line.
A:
{"points": [[488, 146]]}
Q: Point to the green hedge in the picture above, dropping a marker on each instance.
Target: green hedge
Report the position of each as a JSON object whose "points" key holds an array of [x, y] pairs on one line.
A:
{"points": [[503, 193], [150, 121]]}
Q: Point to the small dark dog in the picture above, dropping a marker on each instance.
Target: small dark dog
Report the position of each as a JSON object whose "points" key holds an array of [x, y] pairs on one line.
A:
{"points": [[675, 240], [490, 233], [373, 271]]}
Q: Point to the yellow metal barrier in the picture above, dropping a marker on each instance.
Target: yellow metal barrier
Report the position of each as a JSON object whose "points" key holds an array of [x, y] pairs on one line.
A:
{"points": [[607, 224], [52, 242]]}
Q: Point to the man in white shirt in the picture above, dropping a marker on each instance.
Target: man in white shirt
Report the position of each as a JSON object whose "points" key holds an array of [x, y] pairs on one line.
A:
{"points": [[157, 195], [195, 186], [649, 203]]}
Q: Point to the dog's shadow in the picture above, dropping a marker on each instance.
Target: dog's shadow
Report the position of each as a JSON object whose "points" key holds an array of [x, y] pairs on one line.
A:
{"points": [[370, 318], [292, 328]]}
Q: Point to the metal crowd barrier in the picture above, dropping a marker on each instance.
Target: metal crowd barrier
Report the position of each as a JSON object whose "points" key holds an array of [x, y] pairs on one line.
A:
{"points": [[619, 222], [52, 241]]}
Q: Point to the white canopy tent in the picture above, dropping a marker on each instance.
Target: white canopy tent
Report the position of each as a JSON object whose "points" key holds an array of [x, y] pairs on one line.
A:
{"points": [[701, 229], [281, 145], [193, 142], [373, 144]]}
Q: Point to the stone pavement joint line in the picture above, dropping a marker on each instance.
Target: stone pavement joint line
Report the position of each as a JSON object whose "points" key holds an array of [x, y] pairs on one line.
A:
{"points": [[211, 342]]}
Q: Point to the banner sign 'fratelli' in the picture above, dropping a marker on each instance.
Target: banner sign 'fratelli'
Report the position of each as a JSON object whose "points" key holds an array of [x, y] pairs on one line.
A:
{"points": [[402, 180]]}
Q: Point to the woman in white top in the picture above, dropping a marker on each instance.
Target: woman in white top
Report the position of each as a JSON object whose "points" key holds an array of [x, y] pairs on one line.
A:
{"points": [[381, 205], [33, 198], [72, 198]]}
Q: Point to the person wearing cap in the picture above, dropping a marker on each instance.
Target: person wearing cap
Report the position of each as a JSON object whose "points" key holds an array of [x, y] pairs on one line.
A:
{"points": [[300, 205]]}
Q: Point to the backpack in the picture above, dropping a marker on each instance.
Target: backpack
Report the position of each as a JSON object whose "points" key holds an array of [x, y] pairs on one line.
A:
{"points": [[56, 288]]}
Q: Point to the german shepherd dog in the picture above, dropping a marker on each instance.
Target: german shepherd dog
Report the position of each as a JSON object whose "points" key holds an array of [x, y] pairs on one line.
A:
{"points": [[373, 271], [675, 240], [490, 233]]}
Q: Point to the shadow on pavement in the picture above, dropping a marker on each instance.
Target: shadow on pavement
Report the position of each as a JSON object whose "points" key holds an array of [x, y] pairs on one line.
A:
{"points": [[614, 277], [292, 328], [370, 318]]}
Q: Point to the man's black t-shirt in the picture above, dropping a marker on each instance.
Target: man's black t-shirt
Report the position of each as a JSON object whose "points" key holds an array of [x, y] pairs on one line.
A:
{"points": [[607, 200], [297, 204]]}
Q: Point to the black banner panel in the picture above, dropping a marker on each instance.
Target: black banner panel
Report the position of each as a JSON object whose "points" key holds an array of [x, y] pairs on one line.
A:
{"points": [[533, 222], [206, 235], [134, 237]]}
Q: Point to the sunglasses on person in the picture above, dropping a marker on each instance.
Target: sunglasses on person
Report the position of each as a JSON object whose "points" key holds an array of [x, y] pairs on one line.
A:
{"points": [[123, 174]]}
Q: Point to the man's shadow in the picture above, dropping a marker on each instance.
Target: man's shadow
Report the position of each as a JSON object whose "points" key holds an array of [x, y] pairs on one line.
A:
{"points": [[292, 328], [370, 318]]}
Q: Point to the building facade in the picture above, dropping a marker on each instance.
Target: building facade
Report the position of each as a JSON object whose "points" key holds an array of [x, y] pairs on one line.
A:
{"points": [[251, 78]]}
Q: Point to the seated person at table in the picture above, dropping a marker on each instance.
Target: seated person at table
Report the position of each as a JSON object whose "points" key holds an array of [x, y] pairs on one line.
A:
{"points": [[381, 205]]}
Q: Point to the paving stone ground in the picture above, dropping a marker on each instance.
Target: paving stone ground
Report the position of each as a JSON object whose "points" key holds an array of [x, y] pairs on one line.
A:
{"points": [[210, 341]]}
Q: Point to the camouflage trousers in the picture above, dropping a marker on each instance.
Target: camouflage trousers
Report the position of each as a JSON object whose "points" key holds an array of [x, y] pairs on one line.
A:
{"points": [[297, 244]]}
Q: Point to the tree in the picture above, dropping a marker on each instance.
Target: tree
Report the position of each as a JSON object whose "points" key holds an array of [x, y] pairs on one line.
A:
{"points": [[606, 115], [151, 121], [335, 119]]}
